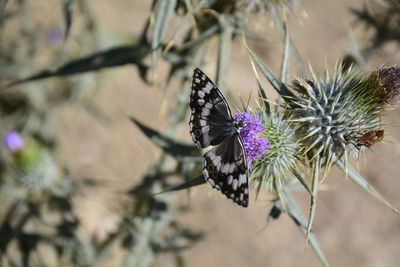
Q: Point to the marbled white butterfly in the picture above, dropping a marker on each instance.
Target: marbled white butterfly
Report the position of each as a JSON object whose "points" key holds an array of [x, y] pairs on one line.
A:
{"points": [[211, 123]]}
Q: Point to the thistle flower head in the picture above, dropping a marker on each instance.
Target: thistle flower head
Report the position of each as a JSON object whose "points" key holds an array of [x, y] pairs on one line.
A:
{"points": [[255, 144], [41, 175], [283, 150], [388, 83], [34, 166], [333, 112]]}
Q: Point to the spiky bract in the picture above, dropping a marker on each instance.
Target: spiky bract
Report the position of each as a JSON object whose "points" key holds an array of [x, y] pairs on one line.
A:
{"points": [[34, 166], [333, 112], [41, 175], [283, 151]]}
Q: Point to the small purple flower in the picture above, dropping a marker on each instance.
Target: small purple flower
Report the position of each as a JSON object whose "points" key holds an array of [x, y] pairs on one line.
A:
{"points": [[55, 36], [255, 145], [13, 141]]}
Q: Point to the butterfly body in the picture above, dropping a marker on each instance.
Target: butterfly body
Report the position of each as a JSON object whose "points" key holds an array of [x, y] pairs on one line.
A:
{"points": [[211, 124]]}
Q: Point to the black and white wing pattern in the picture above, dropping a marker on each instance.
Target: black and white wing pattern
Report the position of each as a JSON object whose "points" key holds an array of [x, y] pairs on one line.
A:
{"points": [[211, 123]]}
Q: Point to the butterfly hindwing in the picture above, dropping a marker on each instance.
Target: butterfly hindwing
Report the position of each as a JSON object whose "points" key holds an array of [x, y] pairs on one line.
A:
{"points": [[211, 120], [225, 169]]}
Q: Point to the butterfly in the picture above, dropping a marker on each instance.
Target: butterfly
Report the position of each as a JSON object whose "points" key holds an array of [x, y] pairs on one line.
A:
{"points": [[211, 124]]}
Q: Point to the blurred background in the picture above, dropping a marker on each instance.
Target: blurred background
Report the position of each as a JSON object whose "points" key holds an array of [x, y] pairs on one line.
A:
{"points": [[80, 116]]}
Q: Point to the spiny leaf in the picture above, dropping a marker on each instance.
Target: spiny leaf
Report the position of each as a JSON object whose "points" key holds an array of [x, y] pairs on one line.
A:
{"points": [[297, 216], [190, 55], [188, 19], [281, 28], [190, 233], [191, 183], [224, 50], [262, 95], [67, 10], [203, 36], [145, 189], [173, 147], [278, 85], [365, 16], [105, 59], [314, 189], [285, 56], [163, 11], [362, 183], [299, 177], [3, 4]]}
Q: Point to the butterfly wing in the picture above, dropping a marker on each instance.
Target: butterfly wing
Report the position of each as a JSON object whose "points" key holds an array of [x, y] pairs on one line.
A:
{"points": [[225, 169], [211, 119], [211, 123]]}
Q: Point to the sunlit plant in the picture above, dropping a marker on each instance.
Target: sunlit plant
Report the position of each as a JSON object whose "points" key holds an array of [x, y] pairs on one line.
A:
{"points": [[291, 142]]}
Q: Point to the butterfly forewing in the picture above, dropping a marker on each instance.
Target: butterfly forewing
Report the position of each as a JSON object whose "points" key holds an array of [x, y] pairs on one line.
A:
{"points": [[211, 120], [211, 123]]}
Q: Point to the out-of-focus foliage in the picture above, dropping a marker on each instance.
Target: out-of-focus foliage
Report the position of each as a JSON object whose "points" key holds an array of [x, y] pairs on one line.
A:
{"points": [[39, 225], [381, 22]]}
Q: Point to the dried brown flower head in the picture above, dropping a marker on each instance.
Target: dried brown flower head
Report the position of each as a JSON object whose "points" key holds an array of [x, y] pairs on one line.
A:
{"points": [[389, 83]]}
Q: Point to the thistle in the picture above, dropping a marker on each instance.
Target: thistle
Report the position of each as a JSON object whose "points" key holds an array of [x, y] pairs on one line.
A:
{"points": [[35, 167], [333, 112], [282, 155], [271, 145], [338, 115]]}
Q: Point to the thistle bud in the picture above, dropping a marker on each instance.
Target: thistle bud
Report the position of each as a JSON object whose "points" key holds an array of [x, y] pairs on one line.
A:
{"points": [[282, 148], [35, 167]]}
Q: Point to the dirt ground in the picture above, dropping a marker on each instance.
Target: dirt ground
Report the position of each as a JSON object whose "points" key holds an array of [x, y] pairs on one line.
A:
{"points": [[353, 229]]}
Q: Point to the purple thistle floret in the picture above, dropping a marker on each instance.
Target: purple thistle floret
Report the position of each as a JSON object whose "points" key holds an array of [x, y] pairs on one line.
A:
{"points": [[389, 81], [13, 141], [255, 145]]}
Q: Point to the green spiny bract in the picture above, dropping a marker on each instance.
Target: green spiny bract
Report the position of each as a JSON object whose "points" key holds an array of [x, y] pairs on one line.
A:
{"points": [[35, 167], [333, 112], [283, 151]]}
